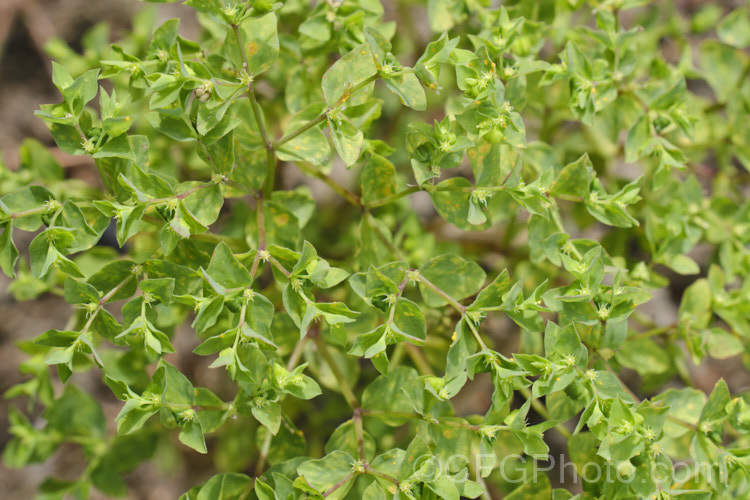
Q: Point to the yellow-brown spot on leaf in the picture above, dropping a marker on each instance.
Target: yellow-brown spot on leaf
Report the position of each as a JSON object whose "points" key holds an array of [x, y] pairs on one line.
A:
{"points": [[281, 219]]}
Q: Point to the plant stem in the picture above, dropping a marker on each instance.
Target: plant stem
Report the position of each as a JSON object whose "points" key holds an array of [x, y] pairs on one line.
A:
{"points": [[290, 365], [453, 302], [396, 196], [260, 218], [338, 485], [542, 410], [418, 359], [360, 434], [275, 263], [417, 416], [271, 172], [415, 189], [390, 246], [31, 211], [655, 331], [114, 290], [182, 196], [474, 332], [264, 449], [346, 390], [558, 222], [296, 354], [254, 267], [375, 472], [258, 113], [347, 194], [90, 320], [301, 130], [322, 117]]}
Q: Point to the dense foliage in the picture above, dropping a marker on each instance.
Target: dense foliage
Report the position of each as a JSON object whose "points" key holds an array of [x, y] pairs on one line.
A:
{"points": [[575, 153]]}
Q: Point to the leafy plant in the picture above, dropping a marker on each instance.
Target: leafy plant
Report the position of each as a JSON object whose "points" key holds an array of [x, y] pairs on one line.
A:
{"points": [[579, 153]]}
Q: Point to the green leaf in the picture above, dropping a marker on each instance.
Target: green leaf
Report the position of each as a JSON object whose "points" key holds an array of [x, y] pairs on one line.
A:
{"points": [[537, 489], [408, 321], [573, 181], [43, 254], [133, 416], [378, 179], [374, 492], [721, 344], [192, 435], [682, 264], [81, 91], [454, 275], [734, 29], [60, 77], [712, 421], [326, 472], [347, 139], [8, 250], [36, 159], [76, 413], [385, 393], [170, 123], [408, 88], [227, 270], [453, 201], [644, 356], [639, 139], [442, 15], [723, 67], [311, 146], [417, 454], [208, 312], [258, 318], [77, 292], [437, 52], [352, 68], [175, 387], [118, 276], [227, 486], [492, 294], [695, 305], [344, 438], [27, 199], [118, 147], [269, 415], [260, 42], [57, 338], [264, 491]]}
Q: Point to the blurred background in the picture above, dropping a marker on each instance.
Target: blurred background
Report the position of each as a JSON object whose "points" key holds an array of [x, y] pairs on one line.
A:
{"points": [[32, 34]]}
